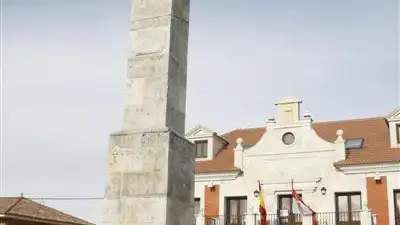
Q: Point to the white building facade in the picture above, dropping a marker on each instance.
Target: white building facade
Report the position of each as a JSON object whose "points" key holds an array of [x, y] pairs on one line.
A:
{"points": [[346, 171]]}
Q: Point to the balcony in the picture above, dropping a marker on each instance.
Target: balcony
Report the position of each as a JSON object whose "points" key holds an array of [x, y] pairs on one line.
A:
{"points": [[323, 218]]}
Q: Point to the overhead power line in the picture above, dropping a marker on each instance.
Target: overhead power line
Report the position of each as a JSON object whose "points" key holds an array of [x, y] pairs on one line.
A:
{"points": [[66, 198]]}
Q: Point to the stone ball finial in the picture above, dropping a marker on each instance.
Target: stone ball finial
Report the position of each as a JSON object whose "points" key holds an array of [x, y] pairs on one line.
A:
{"points": [[239, 141], [339, 132]]}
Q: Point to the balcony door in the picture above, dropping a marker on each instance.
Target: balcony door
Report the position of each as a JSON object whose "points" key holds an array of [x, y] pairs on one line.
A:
{"points": [[236, 208], [348, 207], [285, 211], [396, 195]]}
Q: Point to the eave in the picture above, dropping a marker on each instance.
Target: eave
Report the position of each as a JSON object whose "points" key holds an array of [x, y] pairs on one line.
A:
{"points": [[218, 176], [370, 168], [39, 220]]}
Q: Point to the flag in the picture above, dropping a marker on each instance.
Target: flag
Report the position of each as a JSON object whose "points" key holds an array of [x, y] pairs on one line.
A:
{"points": [[300, 206], [261, 208]]}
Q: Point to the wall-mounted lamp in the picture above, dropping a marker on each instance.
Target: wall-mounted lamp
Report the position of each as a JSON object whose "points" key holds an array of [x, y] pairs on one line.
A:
{"points": [[211, 185], [323, 191], [256, 193], [377, 177]]}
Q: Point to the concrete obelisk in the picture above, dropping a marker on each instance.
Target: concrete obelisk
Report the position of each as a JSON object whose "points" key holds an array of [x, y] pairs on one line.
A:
{"points": [[150, 163]]}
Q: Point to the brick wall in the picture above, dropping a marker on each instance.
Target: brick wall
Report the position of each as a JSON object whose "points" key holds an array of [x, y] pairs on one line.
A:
{"points": [[378, 199]]}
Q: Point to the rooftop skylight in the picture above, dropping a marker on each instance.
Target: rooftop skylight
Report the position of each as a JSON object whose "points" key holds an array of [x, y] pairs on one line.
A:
{"points": [[356, 143]]}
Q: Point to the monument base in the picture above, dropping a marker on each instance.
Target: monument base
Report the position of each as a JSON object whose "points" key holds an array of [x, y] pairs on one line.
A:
{"points": [[150, 179]]}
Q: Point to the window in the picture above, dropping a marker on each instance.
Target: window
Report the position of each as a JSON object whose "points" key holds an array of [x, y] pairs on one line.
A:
{"points": [[201, 149], [288, 138], [396, 195], [354, 143], [196, 206], [236, 208], [398, 133], [348, 207], [285, 203], [286, 213]]}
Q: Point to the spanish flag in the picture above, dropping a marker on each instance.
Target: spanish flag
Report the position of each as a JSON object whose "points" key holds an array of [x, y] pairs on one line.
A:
{"points": [[262, 209]]}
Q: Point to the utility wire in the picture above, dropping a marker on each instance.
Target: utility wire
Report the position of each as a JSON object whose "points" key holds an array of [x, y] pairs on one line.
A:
{"points": [[66, 198]]}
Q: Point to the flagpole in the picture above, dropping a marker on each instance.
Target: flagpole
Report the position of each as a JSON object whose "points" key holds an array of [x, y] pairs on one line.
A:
{"points": [[262, 209], [291, 180]]}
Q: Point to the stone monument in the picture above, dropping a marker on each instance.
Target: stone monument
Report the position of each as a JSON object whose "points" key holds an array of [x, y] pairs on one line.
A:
{"points": [[150, 164]]}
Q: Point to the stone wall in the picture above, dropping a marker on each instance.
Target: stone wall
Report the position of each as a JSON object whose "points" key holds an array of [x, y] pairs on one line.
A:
{"points": [[151, 178]]}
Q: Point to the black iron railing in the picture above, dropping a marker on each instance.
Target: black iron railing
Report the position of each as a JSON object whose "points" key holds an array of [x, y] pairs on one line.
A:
{"points": [[323, 218], [326, 218], [338, 218], [250, 219]]}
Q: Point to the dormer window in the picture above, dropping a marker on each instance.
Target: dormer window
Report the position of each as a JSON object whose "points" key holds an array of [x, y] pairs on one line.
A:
{"points": [[207, 143], [354, 143], [201, 149], [394, 128]]}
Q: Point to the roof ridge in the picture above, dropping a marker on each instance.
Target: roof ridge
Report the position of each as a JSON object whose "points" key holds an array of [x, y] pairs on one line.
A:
{"points": [[246, 129], [315, 122], [351, 120], [13, 205]]}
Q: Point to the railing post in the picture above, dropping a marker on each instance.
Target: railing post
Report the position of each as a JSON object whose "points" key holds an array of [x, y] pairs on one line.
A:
{"points": [[374, 219], [366, 217], [307, 220], [278, 215], [199, 219], [206, 220]]}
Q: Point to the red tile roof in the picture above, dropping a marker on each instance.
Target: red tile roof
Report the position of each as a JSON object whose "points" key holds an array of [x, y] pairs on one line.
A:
{"points": [[376, 147], [25, 208]]}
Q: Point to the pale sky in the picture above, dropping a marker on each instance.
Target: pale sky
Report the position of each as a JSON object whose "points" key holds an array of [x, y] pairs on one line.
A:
{"points": [[64, 64]]}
